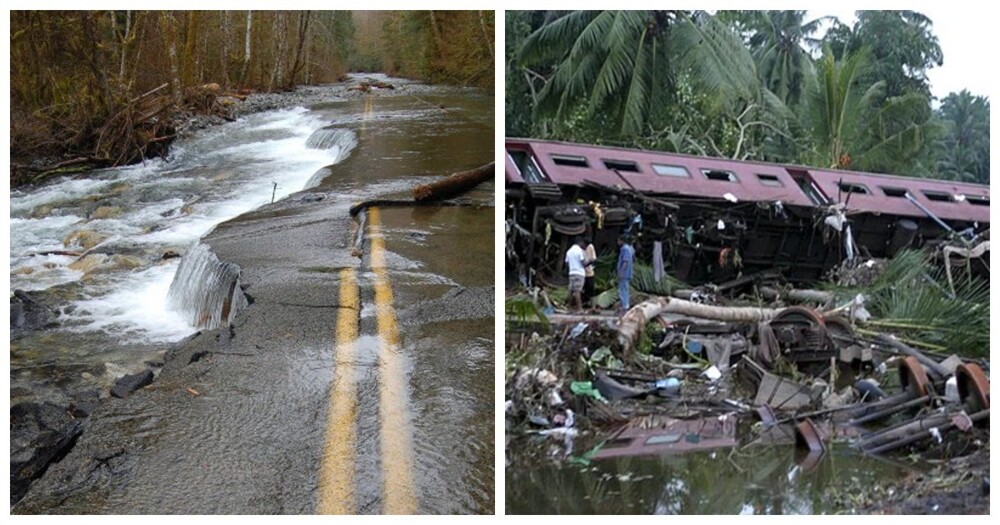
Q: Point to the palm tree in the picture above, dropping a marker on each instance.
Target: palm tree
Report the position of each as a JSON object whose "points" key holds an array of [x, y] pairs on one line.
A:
{"points": [[608, 59], [777, 46], [855, 126], [625, 66], [965, 148]]}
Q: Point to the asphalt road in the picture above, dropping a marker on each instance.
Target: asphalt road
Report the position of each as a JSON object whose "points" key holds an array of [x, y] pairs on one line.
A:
{"points": [[358, 381]]}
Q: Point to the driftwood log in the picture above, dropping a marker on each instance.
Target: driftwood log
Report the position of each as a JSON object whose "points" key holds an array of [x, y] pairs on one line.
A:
{"points": [[634, 321], [454, 185]]}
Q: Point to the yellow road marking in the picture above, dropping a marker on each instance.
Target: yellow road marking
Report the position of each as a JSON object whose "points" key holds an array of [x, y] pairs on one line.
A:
{"points": [[398, 496], [336, 474]]}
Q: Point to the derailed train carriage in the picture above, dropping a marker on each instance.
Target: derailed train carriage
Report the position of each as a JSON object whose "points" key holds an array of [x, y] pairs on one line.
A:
{"points": [[717, 220]]}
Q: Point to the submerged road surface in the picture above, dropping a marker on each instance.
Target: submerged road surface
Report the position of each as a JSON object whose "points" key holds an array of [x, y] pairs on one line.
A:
{"points": [[360, 377]]}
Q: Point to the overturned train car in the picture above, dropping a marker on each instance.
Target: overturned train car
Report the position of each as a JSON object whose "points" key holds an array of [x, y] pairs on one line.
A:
{"points": [[715, 219]]}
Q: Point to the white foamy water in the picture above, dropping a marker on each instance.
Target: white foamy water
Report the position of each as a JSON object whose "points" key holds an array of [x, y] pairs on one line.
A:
{"points": [[161, 205], [133, 308]]}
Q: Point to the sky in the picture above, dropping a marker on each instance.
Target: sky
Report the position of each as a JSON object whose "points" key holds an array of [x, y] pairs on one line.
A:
{"points": [[961, 37]]}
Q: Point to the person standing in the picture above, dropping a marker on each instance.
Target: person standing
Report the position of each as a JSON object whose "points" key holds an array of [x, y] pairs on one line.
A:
{"points": [[575, 263], [626, 255], [589, 259]]}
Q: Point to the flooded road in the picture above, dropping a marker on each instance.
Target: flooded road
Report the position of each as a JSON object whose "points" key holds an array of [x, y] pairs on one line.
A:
{"points": [[256, 417]]}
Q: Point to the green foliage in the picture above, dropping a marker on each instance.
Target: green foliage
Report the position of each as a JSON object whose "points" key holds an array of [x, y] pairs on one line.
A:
{"points": [[743, 85], [609, 60], [643, 281], [912, 297], [855, 126], [902, 45], [963, 153], [454, 47], [522, 309]]}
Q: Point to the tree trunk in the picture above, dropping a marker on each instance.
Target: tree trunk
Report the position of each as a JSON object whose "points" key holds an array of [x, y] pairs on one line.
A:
{"points": [[190, 50], [227, 36], [486, 33], [246, 49], [280, 29], [297, 64], [168, 28], [96, 57], [454, 185], [634, 321]]}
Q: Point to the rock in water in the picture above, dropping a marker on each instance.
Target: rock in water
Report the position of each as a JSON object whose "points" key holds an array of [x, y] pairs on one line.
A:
{"points": [[130, 383], [27, 314], [206, 290]]}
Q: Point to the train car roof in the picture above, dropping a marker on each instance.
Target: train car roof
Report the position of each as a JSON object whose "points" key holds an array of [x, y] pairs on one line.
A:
{"points": [[670, 173]]}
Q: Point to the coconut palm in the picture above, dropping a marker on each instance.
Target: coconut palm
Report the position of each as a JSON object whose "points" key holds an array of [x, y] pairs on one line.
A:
{"points": [[855, 126], [777, 46], [613, 60], [965, 148]]}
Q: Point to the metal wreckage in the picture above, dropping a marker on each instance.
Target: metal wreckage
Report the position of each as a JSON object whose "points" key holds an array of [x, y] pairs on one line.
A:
{"points": [[744, 340]]}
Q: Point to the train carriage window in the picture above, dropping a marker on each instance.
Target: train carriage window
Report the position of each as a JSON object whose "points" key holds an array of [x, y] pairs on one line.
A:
{"points": [[570, 160], [977, 200], [722, 175], [770, 180], [526, 166], [850, 187], [938, 196], [621, 165], [893, 192], [668, 170]]}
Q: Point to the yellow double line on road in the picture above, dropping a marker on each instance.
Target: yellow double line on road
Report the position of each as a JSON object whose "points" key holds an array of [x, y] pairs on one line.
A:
{"points": [[336, 474], [337, 471]]}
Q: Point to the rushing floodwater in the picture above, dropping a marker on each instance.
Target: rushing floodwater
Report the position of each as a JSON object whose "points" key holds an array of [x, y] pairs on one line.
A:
{"points": [[159, 206]]}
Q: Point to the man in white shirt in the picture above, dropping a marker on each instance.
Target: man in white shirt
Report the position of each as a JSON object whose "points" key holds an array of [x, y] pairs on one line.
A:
{"points": [[575, 262]]}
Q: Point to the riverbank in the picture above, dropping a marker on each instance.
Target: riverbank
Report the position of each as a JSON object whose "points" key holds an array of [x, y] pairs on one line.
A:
{"points": [[207, 107]]}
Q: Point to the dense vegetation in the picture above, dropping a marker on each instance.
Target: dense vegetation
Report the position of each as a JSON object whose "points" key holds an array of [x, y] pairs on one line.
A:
{"points": [[100, 86], [747, 85]]}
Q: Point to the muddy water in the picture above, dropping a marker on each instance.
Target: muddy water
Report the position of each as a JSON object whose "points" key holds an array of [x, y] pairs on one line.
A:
{"points": [[749, 480]]}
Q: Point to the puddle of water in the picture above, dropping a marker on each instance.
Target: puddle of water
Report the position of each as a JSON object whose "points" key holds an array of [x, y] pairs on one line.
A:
{"points": [[748, 480]]}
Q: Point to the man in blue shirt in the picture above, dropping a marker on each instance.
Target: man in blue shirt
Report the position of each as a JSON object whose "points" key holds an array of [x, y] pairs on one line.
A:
{"points": [[626, 255]]}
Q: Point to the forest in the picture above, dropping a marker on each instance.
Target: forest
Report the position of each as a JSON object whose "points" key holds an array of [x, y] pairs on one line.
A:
{"points": [[105, 87], [758, 85]]}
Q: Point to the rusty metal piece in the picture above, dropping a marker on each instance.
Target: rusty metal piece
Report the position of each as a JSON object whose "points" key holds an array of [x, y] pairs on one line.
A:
{"points": [[938, 371], [807, 434], [907, 428], [924, 434], [973, 387], [801, 333], [810, 461], [658, 435], [913, 377], [916, 392], [886, 412]]}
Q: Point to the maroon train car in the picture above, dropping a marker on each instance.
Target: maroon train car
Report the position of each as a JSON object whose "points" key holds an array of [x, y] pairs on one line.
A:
{"points": [[717, 218]]}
